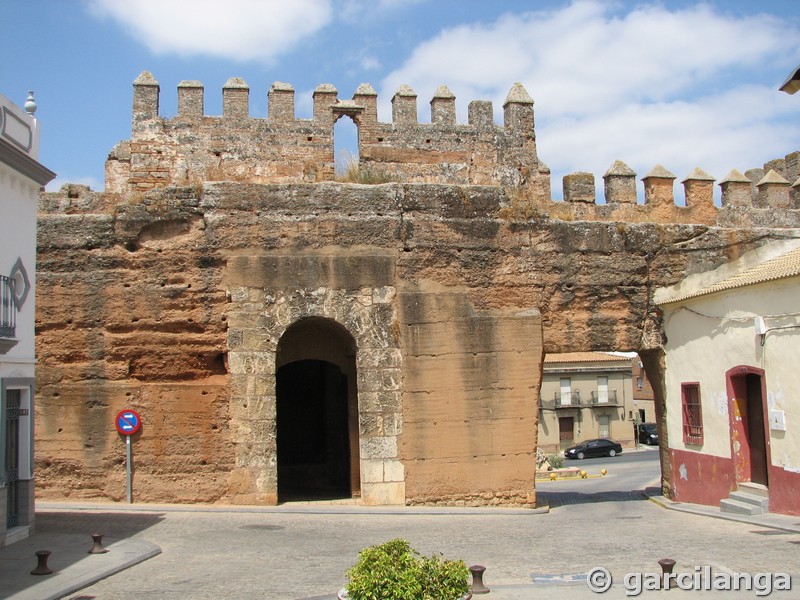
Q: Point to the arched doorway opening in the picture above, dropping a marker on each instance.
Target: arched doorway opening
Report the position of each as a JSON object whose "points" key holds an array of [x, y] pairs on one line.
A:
{"points": [[345, 148], [317, 412]]}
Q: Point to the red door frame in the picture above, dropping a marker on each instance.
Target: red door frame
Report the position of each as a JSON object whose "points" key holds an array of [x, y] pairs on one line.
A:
{"points": [[736, 383]]}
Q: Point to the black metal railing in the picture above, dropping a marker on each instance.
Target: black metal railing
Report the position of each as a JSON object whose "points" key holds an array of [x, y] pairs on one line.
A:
{"points": [[567, 399], [8, 308], [609, 397]]}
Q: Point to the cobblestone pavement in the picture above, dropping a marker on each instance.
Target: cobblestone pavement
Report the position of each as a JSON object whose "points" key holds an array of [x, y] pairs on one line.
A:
{"points": [[302, 551]]}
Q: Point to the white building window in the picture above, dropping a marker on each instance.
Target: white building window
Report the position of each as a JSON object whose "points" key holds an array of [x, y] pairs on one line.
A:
{"points": [[602, 389], [566, 391]]}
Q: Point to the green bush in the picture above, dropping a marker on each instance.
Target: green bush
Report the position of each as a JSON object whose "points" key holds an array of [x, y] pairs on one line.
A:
{"points": [[395, 571], [555, 460]]}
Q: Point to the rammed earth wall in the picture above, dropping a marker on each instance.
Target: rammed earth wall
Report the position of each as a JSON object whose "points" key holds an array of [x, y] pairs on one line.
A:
{"points": [[221, 252]]}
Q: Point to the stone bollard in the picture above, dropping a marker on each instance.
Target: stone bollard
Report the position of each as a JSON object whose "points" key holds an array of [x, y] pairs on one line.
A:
{"points": [[97, 546], [477, 586], [41, 566], [667, 564]]}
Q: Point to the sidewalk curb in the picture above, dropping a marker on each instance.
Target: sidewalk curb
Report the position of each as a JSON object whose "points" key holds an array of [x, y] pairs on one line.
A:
{"points": [[295, 508], [768, 520], [73, 567]]}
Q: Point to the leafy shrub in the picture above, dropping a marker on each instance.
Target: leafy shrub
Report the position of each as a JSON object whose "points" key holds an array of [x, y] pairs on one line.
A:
{"points": [[555, 460], [395, 571]]}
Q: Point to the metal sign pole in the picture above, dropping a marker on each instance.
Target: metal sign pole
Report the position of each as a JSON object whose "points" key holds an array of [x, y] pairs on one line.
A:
{"points": [[128, 478], [127, 423]]}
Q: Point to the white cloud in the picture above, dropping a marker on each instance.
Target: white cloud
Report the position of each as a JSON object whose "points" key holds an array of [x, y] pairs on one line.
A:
{"points": [[243, 30], [370, 63], [682, 88]]}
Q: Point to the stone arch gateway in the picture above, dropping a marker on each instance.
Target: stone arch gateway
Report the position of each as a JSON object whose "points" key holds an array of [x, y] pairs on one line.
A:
{"points": [[320, 312], [317, 412]]}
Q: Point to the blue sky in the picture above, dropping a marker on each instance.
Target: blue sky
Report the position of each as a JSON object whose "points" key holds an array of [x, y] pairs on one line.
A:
{"points": [[681, 84]]}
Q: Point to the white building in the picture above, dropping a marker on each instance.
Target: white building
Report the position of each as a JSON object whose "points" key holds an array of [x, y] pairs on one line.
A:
{"points": [[732, 383], [21, 179], [586, 395]]}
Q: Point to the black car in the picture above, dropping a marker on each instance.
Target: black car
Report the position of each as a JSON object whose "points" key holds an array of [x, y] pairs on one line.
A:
{"points": [[647, 434], [593, 448]]}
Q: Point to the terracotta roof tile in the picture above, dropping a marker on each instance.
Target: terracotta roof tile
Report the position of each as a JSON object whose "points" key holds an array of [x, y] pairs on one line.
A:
{"points": [[584, 357], [787, 265]]}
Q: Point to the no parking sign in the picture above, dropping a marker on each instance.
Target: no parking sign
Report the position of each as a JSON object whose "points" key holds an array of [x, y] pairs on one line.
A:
{"points": [[127, 423]]}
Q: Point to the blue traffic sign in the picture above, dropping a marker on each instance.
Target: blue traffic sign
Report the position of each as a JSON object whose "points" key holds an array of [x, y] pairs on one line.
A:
{"points": [[128, 422]]}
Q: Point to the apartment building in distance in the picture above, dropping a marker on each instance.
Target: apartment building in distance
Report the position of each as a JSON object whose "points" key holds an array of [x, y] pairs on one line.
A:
{"points": [[586, 395]]}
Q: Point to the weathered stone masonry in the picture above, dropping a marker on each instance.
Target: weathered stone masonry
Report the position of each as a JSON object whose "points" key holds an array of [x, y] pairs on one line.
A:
{"points": [[222, 251]]}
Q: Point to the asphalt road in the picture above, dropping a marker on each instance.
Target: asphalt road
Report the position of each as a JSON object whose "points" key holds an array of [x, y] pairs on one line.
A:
{"points": [[645, 454], [626, 473]]}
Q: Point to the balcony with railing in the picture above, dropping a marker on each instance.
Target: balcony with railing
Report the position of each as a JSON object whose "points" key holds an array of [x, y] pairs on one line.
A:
{"points": [[570, 399], [8, 314], [605, 398]]}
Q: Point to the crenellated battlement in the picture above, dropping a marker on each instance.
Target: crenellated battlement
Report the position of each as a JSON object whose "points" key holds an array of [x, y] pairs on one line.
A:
{"points": [[761, 197], [193, 147]]}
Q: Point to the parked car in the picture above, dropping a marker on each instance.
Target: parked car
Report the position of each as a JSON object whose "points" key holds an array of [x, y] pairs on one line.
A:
{"points": [[647, 434], [593, 448]]}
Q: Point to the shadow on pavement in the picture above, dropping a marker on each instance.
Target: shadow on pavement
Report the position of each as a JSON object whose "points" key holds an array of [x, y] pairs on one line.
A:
{"points": [[67, 536], [555, 499], [113, 525]]}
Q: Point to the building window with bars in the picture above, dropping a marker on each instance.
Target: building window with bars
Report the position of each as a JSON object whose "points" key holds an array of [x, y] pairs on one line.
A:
{"points": [[692, 413], [8, 308]]}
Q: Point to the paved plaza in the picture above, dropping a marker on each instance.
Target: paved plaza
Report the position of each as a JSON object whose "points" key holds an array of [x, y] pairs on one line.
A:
{"points": [[302, 550]]}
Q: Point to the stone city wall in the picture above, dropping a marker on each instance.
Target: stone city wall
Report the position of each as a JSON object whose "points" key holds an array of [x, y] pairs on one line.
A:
{"points": [[179, 291], [173, 304]]}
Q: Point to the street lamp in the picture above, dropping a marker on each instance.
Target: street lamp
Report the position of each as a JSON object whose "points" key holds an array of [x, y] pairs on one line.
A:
{"points": [[792, 83]]}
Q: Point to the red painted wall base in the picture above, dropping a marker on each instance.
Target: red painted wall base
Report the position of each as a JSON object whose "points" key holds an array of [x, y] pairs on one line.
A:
{"points": [[784, 491], [703, 479]]}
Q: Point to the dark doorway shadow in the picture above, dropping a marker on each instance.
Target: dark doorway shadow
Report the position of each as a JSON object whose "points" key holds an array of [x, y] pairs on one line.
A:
{"points": [[313, 438]]}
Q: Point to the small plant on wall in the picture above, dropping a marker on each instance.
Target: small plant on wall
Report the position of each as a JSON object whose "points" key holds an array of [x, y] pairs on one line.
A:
{"points": [[395, 571]]}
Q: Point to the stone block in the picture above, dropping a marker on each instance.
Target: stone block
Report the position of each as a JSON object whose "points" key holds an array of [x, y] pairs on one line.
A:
{"points": [[383, 494], [372, 471], [579, 187], [380, 402], [379, 447], [393, 470], [311, 271], [380, 358], [468, 371]]}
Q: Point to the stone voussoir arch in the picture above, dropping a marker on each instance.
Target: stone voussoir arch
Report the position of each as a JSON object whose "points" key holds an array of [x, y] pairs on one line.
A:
{"points": [[263, 318]]}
